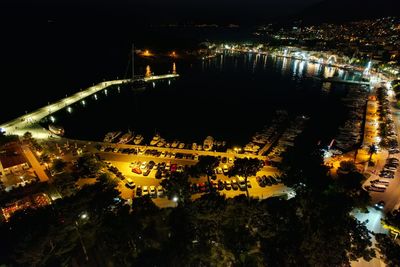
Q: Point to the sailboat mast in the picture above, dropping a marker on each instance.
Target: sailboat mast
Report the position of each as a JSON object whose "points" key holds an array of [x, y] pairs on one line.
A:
{"points": [[133, 61]]}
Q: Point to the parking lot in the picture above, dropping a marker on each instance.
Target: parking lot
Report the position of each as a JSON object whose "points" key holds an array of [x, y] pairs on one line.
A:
{"points": [[141, 175]]}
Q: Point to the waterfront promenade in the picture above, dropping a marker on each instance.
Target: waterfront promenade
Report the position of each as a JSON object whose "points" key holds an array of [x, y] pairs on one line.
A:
{"points": [[21, 124]]}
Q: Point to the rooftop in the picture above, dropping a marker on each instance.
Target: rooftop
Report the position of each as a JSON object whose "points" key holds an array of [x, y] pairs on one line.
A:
{"points": [[11, 154]]}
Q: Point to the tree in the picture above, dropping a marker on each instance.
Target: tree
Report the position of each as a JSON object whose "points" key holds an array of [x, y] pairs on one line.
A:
{"points": [[177, 186], [245, 167], [58, 165], [372, 149], [65, 184], [206, 165], [347, 166], [27, 136], [89, 165], [390, 250]]}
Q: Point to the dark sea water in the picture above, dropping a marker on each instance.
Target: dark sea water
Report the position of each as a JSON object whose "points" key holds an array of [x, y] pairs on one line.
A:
{"points": [[229, 97]]}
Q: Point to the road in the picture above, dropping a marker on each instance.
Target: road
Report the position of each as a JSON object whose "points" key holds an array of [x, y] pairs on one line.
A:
{"points": [[35, 164]]}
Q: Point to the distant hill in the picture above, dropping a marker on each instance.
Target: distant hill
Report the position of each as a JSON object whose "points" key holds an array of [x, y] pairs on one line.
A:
{"points": [[348, 10]]}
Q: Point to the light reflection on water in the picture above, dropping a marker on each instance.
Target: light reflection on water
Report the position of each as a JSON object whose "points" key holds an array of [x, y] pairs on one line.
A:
{"points": [[215, 92]]}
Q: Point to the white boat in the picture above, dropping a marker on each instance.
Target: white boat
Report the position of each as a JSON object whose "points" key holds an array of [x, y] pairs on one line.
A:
{"points": [[58, 130], [161, 142], [208, 143], [175, 143], [194, 146], [111, 136], [108, 137], [155, 140], [181, 145], [138, 139], [125, 138]]}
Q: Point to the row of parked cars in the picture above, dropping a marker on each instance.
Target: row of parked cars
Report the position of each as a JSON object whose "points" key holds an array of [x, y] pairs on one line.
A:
{"points": [[377, 185], [390, 168], [151, 190], [234, 184], [267, 180]]}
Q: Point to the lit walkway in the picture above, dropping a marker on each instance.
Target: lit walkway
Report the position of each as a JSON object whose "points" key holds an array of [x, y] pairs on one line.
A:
{"points": [[21, 123]]}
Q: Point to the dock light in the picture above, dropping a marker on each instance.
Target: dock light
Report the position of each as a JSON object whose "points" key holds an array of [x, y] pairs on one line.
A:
{"points": [[146, 53]]}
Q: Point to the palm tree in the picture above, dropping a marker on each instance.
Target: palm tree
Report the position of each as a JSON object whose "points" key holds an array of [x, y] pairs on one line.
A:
{"points": [[27, 136], [372, 149], [206, 165], [58, 165], [246, 167]]}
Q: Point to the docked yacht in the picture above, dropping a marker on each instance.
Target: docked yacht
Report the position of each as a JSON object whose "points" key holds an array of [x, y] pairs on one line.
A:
{"points": [[57, 130], [181, 145], [111, 136], [175, 143], [208, 143], [155, 140], [138, 139], [161, 142], [194, 146], [126, 138]]}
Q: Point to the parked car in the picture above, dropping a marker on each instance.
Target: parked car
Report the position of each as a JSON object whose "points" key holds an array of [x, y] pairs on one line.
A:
{"points": [[158, 174], [220, 185], [152, 191], [235, 186], [380, 205], [160, 191], [174, 167], [136, 170], [129, 183], [145, 190], [225, 169], [228, 185], [260, 181]]}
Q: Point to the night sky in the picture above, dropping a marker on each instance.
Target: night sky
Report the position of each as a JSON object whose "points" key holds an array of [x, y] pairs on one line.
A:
{"points": [[158, 11]]}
